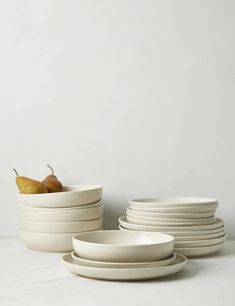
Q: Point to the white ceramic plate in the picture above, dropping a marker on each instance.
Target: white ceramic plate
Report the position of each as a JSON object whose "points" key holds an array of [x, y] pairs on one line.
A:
{"points": [[123, 265], [123, 246], [178, 209], [199, 243], [124, 274], [126, 224], [200, 237], [60, 227], [174, 202], [169, 215], [200, 251], [74, 195], [168, 222], [181, 233], [71, 215]]}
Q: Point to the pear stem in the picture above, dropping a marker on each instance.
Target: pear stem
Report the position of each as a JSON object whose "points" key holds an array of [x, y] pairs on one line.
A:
{"points": [[15, 172], [51, 169]]}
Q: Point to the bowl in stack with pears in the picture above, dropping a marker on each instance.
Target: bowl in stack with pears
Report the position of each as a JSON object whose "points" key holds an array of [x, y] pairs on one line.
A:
{"points": [[50, 214]]}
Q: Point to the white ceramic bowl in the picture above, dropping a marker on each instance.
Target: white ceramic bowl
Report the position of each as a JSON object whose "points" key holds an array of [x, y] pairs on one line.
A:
{"points": [[71, 196], [150, 228], [174, 202], [170, 215], [71, 215], [168, 222], [60, 227], [33, 210], [42, 242], [121, 246], [123, 265]]}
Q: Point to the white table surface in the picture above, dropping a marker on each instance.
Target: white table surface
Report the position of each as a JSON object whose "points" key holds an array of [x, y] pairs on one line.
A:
{"points": [[29, 278]]}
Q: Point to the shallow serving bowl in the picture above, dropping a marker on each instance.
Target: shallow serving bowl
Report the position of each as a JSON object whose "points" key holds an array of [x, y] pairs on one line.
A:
{"points": [[121, 265], [174, 202], [74, 195], [71, 215], [31, 209], [123, 246], [60, 227]]}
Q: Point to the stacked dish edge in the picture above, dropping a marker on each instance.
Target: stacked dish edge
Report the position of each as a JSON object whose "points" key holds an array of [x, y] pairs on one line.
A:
{"points": [[191, 221], [47, 222]]}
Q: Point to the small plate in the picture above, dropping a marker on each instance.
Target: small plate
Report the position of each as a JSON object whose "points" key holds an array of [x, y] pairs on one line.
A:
{"points": [[170, 215], [125, 223], [124, 274], [200, 251], [168, 222], [102, 264]]}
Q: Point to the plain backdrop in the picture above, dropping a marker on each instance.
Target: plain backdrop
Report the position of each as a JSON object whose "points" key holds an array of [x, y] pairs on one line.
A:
{"points": [[137, 96]]}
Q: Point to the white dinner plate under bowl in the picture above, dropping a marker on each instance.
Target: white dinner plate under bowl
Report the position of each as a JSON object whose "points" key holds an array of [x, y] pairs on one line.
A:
{"points": [[60, 227], [180, 233], [168, 222], [74, 195], [121, 265], [174, 202], [190, 209], [170, 215], [200, 251], [199, 243], [124, 274], [149, 228]]}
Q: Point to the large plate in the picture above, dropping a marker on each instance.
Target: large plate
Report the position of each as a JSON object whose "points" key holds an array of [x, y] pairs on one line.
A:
{"points": [[182, 234], [124, 274]]}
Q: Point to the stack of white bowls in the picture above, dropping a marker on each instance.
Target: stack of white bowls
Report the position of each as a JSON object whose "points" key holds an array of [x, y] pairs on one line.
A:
{"points": [[48, 221], [191, 221], [122, 255]]}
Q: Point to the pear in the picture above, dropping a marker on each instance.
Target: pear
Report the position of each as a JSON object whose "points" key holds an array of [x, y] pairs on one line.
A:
{"points": [[29, 186], [52, 183]]}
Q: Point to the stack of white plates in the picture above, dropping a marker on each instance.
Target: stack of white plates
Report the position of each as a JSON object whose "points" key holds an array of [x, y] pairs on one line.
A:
{"points": [[190, 220], [48, 221], [123, 255]]}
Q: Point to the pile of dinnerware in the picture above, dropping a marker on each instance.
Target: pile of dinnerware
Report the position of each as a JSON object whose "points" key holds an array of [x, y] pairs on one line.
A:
{"points": [[123, 255], [48, 221], [191, 221]]}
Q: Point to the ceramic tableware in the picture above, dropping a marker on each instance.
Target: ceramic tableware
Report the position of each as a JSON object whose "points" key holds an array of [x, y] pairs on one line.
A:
{"points": [[124, 274], [200, 251], [121, 265], [74, 195], [123, 246]]}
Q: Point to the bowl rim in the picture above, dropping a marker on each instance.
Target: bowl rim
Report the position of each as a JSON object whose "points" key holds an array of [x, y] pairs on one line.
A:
{"points": [[92, 187], [171, 239]]}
